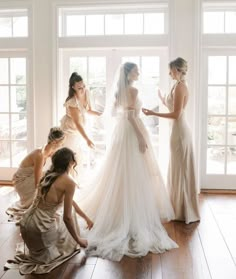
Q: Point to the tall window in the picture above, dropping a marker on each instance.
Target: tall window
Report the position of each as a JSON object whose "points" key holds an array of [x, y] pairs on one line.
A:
{"points": [[13, 108], [13, 90], [219, 93], [221, 134]]}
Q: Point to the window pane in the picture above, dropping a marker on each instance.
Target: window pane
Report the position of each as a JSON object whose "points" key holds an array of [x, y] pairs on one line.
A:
{"points": [[5, 27], [215, 160], [114, 24], [4, 71], [20, 26], [75, 25], [232, 100], [154, 23], [217, 70], [19, 126], [232, 131], [19, 151], [231, 160], [98, 98], [150, 70], [4, 127], [4, 99], [18, 98], [5, 153], [230, 22], [232, 69], [97, 71], [216, 130], [95, 25], [79, 65], [216, 100], [213, 22], [134, 24], [18, 70]]}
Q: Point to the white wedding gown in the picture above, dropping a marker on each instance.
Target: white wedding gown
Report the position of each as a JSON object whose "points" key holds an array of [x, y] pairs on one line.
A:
{"points": [[127, 198]]}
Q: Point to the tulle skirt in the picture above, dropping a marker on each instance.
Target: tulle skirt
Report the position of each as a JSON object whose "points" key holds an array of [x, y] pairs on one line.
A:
{"points": [[127, 199]]}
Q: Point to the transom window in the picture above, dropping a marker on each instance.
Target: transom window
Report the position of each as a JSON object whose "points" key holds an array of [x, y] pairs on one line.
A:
{"points": [[13, 23], [221, 132], [219, 20], [75, 22]]}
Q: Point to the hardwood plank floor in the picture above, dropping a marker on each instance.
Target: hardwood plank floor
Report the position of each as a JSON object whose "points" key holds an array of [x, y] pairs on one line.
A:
{"points": [[207, 250]]}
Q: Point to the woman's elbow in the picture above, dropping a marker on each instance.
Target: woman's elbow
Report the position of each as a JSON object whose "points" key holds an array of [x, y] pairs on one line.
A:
{"points": [[67, 219], [176, 115]]}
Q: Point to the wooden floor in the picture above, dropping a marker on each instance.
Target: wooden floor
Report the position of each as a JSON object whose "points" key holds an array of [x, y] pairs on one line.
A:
{"points": [[206, 249]]}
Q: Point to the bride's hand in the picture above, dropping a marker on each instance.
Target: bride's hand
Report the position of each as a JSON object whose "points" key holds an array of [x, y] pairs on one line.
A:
{"points": [[142, 144], [147, 111]]}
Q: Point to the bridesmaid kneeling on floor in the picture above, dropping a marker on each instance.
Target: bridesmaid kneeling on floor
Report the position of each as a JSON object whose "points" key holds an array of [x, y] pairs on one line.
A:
{"points": [[30, 171], [49, 240]]}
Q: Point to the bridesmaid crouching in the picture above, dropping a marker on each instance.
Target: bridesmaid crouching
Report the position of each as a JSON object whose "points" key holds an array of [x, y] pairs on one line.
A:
{"points": [[29, 173], [51, 237]]}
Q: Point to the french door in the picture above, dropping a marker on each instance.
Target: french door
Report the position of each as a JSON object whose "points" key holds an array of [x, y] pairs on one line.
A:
{"points": [[219, 130], [98, 68], [14, 109]]}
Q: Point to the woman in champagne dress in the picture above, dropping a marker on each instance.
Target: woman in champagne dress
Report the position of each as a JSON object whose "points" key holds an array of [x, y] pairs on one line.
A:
{"points": [[181, 174], [127, 198], [29, 173], [51, 237], [77, 104]]}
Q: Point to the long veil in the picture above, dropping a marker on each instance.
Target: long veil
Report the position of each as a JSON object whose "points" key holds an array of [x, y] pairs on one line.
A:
{"points": [[116, 101]]}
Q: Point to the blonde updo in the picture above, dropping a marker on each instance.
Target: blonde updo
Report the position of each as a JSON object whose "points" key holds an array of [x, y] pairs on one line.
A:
{"points": [[180, 65], [55, 133]]}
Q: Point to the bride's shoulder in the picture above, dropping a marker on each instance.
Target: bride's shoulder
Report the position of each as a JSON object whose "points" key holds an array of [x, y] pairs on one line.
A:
{"points": [[133, 91]]}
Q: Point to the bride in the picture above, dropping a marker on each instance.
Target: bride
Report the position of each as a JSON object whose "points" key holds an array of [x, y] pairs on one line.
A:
{"points": [[127, 199]]}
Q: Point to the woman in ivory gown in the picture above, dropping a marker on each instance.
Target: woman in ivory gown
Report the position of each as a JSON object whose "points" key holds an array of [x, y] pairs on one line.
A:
{"points": [[29, 173], [127, 199], [51, 237], [181, 173], [77, 104]]}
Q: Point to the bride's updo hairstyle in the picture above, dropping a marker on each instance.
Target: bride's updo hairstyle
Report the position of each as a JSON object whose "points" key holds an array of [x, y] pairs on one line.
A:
{"points": [[127, 68], [180, 65]]}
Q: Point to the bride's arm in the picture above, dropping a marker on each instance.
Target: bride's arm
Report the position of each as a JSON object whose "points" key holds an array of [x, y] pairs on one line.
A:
{"points": [[131, 118]]}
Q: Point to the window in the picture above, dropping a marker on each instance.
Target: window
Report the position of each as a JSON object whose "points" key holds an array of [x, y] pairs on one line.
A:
{"points": [[13, 23], [219, 20], [221, 132], [74, 22], [13, 109]]}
